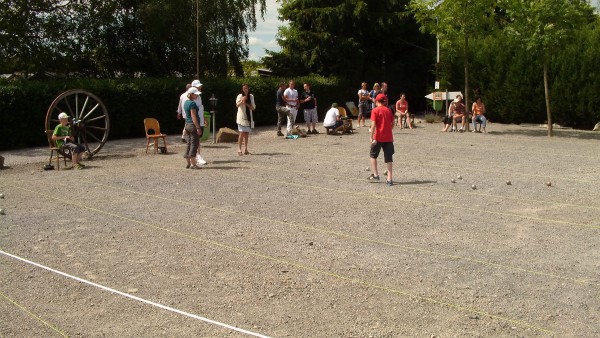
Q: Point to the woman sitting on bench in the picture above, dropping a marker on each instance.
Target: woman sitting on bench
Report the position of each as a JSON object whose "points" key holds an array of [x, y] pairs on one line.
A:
{"points": [[478, 114]]}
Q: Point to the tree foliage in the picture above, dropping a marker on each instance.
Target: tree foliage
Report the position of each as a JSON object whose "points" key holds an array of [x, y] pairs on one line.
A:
{"points": [[455, 23], [125, 37], [544, 26], [360, 40]]}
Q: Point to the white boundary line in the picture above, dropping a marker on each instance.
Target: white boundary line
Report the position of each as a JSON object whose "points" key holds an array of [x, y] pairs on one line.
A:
{"points": [[136, 298]]}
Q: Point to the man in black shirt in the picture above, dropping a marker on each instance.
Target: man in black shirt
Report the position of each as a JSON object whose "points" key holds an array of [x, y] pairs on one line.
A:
{"points": [[309, 104]]}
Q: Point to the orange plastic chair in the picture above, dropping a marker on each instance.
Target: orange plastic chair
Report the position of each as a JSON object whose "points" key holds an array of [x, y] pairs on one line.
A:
{"points": [[151, 124], [347, 120], [65, 153]]}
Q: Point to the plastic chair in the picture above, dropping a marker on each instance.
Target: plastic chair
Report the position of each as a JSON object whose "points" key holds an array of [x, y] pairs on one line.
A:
{"points": [[352, 108], [347, 120], [152, 124], [60, 151]]}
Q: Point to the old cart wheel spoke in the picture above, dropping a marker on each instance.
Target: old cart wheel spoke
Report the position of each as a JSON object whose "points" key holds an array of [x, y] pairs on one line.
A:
{"points": [[90, 122]]}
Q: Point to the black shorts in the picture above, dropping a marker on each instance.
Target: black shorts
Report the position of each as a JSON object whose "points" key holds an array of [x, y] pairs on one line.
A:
{"points": [[76, 148], [388, 150]]}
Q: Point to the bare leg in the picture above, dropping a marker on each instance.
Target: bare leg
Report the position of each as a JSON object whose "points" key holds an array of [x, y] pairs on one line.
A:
{"points": [[245, 136], [374, 167], [239, 143], [389, 171]]}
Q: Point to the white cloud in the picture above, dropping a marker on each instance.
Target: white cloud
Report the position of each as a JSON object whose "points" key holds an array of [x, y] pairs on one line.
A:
{"points": [[266, 30]]}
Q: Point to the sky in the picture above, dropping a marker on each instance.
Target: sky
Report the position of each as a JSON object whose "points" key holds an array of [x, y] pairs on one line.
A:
{"points": [[264, 36]]}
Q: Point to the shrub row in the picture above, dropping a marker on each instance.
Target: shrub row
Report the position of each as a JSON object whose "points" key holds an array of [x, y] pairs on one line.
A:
{"points": [[24, 103]]}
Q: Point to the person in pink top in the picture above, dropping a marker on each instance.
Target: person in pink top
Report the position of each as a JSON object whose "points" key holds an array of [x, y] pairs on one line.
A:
{"points": [[402, 111], [382, 123]]}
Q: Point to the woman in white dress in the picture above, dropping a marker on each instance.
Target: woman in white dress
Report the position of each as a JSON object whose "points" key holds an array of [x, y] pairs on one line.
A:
{"points": [[245, 106]]}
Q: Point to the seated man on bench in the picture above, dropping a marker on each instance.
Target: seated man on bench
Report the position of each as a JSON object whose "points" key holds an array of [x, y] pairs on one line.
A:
{"points": [[333, 120]]}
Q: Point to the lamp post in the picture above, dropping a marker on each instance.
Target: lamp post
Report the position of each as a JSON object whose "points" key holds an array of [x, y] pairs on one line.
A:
{"points": [[213, 104]]}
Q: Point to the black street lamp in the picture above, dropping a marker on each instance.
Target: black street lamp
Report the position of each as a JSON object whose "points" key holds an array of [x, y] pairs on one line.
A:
{"points": [[213, 104]]}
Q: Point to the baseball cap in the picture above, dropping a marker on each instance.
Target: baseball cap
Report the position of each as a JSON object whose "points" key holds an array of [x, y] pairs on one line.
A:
{"points": [[63, 116], [193, 90], [196, 83], [380, 97]]}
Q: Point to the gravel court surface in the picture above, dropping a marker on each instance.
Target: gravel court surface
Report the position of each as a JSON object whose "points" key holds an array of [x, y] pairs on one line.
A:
{"points": [[293, 240]]}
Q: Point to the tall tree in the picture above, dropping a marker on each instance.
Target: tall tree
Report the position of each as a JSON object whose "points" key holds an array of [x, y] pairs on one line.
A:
{"points": [[126, 37], [455, 23], [545, 26], [356, 39]]}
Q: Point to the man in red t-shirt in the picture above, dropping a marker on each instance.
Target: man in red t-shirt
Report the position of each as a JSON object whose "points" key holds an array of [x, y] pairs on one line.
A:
{"points": [[382, 122]]}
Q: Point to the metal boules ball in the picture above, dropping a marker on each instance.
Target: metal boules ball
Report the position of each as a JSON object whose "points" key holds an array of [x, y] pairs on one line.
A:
{"points": [[473, 187], [453, 180], [549, 183], [459, 177], [1, 211], [1, 195], [508, 183]]}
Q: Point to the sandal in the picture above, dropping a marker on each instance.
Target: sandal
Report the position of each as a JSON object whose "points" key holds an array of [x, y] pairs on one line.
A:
{"points": [[247, 153]]}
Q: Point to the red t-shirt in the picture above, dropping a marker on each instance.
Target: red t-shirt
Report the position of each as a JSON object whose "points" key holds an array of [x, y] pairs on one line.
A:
{"points": [[402, 106], [384, 120]]}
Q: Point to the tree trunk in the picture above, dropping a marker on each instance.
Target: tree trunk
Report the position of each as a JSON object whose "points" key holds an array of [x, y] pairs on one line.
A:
{"points": [[547, 94], [466, 61]]}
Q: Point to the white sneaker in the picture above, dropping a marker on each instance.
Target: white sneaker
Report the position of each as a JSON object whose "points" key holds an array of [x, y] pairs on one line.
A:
{"points": [[200, 160]]}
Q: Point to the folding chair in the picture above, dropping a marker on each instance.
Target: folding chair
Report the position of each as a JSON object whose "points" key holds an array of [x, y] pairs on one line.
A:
{"points": [[60, 151], [152, 124], [347, 120]]}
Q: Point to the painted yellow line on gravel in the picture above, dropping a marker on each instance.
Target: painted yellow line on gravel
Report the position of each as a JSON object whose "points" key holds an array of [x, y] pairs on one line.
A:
{"points": [[349, 192], [350, 236], [528, 200], [494, 265], [33, 315], [454, 167], [352, 280]]}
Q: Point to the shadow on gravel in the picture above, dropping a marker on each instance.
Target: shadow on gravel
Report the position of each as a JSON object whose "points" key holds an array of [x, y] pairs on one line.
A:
{"points": [[416, 182], [210, 167], [226, 162], [214, 147], [584, 135], [269, 154], [112, 156]]}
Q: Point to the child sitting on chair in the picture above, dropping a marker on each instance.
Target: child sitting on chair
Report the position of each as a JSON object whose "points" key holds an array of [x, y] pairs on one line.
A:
{"points": [[63, 138]]}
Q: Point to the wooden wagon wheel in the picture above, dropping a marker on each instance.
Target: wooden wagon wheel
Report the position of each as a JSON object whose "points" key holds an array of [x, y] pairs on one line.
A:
{"points": [[88, 118]]}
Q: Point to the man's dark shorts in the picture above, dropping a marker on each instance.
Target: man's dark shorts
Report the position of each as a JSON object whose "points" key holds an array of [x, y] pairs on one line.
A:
{"points": [[388, 150], [75, 148]]}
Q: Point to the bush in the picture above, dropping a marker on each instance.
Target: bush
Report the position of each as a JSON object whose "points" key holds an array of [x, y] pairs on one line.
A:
{"points": [[24, 103], [432, 118]]}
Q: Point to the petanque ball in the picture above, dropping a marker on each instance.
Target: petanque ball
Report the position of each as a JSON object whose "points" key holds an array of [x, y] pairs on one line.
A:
{"points": [[1, 211], [473, 187], [508, 182], [1, 195], [459, 177], [453, 180], [549, 183]]}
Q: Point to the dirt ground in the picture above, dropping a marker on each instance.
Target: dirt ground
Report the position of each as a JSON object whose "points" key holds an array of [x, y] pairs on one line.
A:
{"points": [[294, 241]]}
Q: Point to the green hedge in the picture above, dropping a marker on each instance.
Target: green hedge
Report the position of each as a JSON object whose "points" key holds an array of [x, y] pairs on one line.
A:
{"points": [[24, 103]]}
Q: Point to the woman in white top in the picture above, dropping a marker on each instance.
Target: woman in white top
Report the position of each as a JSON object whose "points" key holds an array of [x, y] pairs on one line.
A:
{"points": [[245, 106]]}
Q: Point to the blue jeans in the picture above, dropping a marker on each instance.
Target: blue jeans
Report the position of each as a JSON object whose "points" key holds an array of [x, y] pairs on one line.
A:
{"points": [[479, 118]]}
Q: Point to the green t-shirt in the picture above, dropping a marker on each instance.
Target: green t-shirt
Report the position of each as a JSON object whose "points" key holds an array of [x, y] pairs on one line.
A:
{"points": [[62, 131]]}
